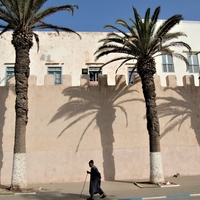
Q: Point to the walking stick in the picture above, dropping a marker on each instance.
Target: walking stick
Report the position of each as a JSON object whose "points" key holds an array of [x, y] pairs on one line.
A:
{"points": [[83, 186]]}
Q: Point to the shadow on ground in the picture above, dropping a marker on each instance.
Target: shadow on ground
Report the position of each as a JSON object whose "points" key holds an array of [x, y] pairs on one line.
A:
{"points": [[53, 196], [59, 196]]}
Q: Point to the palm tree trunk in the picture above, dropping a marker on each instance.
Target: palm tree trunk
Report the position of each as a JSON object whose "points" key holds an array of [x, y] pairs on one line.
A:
{"points": [[146, 73], [22, 43]]}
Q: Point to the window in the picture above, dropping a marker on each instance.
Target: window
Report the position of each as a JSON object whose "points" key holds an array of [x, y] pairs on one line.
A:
{"points": [[131, 75], [10, 71], [57, 72], [193, 64], [167, 63], [93, 72]]}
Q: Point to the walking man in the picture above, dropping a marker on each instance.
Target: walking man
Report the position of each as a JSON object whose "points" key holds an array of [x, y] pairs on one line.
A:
{"points": [[95, 181]]}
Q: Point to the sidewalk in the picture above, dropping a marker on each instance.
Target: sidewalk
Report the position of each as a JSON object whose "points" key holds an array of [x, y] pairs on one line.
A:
{"points": [[118, 190]]}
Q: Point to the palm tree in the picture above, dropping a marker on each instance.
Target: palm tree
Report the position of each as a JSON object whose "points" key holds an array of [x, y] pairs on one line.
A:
{"points": [[142, 41], [23, 17]]}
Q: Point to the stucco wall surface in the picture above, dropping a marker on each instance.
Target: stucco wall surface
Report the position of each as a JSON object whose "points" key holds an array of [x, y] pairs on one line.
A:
{"points": [[73, 54], [69, 125]]}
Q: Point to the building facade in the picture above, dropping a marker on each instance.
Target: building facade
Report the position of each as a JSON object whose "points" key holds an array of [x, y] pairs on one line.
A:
{"points": [[73, 118], [66, 54]]}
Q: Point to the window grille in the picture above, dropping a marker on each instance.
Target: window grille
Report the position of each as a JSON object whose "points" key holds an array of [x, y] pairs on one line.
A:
{"points": [[193, 64], [57, 73], [167, 63], [10, 71], [93, 72]]}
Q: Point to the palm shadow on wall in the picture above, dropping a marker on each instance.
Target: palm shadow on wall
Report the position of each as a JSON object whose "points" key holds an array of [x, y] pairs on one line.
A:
{"points": [[100, 102], [181, 109], [5, 90], [3, 97]]}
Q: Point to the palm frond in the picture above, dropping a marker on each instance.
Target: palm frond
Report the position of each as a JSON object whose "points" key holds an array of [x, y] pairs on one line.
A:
{"points": [[112, 40], [130, 39], [124, 24], [10, 6], [117, 29], [7, 17], [49, 11], [180, 56], [155, 15], [138, 21], [180, 44], [37, 40], [163, 52], [171, 36], [4, 28], [33, 6], [143, 41], [27, 15], [113, 34], [117, 59], [110, 49], [153, 22], [43, 25], [147, 20], [168, 25], [126, 60]]}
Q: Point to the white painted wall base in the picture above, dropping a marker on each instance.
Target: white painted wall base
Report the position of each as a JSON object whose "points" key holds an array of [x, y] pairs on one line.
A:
{"points": [[156, 170], [19, 170]]}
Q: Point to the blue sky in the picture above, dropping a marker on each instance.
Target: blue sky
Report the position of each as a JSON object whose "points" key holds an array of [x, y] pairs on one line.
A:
{"points": [[93, 15]]}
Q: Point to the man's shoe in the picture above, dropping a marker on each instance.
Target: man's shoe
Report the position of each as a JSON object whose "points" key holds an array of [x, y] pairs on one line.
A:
{"points": [[90, 198], [103, 196]]}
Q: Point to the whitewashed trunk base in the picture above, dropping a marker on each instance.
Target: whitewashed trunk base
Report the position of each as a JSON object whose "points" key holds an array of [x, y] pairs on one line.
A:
{"points": [[19, 171], [156, 170]]}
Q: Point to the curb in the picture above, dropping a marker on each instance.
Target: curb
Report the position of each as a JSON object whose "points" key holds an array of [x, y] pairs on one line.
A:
{"points": [[12, 193], [6, 193], [147, 185], [163, 197], [23, 193]]}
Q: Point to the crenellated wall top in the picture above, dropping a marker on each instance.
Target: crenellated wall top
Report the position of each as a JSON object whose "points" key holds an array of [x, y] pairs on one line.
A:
{"points": [[171, 80]]}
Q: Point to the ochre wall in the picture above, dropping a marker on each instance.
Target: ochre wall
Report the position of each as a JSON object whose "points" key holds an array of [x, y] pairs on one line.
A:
{"points": [[68, 126]]}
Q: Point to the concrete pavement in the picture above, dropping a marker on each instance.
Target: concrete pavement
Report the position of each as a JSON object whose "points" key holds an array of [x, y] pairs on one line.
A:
{"points": [[189, 188]]}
